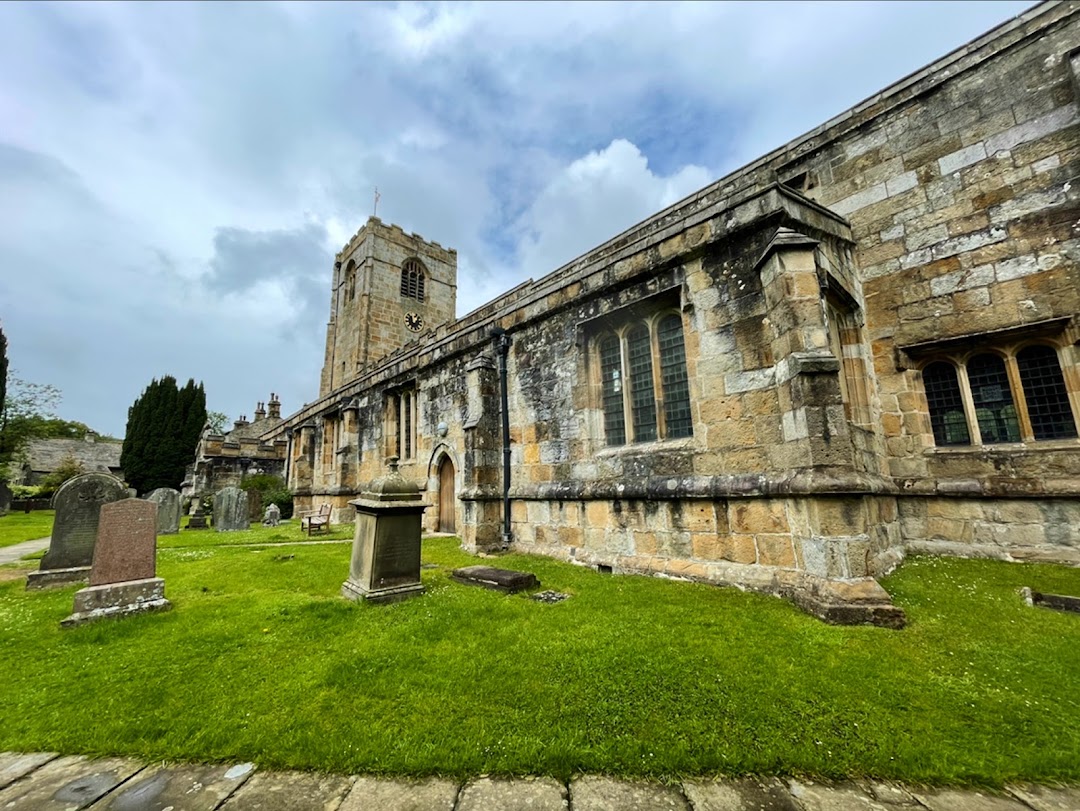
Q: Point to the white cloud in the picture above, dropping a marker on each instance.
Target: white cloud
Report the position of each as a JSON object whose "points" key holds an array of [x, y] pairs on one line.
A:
{"points": [[139, 137], [594, 198]]}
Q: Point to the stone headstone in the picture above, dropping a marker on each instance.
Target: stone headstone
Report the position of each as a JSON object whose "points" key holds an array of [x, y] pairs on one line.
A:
{"points": [[197, 520], [230, 509], [168, 510], [123, 577], [5, 498], [272, 517], [255, 508], [78, 505]]}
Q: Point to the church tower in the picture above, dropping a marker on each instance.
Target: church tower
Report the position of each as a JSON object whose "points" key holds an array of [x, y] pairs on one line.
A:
{"points": [[388, 288]]}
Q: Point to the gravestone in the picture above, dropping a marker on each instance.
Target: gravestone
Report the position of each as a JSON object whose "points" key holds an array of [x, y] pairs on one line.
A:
{"points": [[273, 516], [505, 580], [385, 565], [168, 510], [197, 519], [78, 505], [123, 577], [255, 508], [230, 509], [5, 498]]}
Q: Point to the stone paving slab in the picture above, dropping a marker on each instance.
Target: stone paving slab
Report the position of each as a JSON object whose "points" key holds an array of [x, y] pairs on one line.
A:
{"points": [[1047, 798], [950, 800], [378, 794], [13, 553], [44, 781], [176, 788], [838, 797], [13, 765], [68, 784], [738, 795], [606, 794], [290, 791], [518, 794]]}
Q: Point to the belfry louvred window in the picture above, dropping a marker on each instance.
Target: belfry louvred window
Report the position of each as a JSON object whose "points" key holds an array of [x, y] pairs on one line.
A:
{"points": [[999, 397], [412, 279], [644, 390]]}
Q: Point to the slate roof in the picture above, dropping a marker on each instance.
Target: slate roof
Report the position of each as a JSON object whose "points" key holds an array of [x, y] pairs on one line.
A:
{"points": [[45, 455]]}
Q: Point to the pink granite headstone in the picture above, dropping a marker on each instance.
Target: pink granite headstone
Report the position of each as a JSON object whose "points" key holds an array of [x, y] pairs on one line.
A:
{"points": [[126, 547], [122, 578]]}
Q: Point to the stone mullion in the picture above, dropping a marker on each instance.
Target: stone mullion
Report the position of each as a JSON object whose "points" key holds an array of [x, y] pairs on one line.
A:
{"points": [[624, 363], [657, 375], [969, 404], [1027, 434]]}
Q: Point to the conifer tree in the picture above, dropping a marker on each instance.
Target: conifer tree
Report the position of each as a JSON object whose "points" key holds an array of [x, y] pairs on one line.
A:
{"points": [[3, 369], [160, 440]]}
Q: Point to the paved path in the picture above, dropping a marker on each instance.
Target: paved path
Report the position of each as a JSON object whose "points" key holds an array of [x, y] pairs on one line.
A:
{"points": [[11, 554], [49, 782]]}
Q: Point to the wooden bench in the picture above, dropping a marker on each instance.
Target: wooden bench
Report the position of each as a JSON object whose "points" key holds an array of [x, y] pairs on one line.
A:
{"points": [[316, 521]]}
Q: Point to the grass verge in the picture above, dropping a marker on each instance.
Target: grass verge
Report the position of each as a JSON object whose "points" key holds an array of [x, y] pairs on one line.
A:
{"points": [[287, 532], [261, 660], [16, 527]]}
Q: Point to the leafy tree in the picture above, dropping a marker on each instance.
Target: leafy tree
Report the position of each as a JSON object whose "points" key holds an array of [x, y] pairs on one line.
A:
{"points": [[162, 433], [218, 421], [69, 468], [28, 407]]}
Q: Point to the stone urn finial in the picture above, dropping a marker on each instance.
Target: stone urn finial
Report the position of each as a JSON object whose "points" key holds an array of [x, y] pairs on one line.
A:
{"points": [[392, 463]]}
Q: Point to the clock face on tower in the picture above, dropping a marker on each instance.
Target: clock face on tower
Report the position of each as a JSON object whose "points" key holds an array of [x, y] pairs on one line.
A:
{"points": [[414, 322]]}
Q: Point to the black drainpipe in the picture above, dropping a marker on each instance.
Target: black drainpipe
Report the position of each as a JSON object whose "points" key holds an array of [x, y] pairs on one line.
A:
{"points": [[502, 345]]}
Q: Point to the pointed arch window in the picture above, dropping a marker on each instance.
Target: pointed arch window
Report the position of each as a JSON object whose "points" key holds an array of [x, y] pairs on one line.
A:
{"points": [[413, 278]]}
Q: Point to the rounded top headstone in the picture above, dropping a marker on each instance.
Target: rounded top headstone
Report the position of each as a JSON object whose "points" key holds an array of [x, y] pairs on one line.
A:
{"points": [[391, 487], [90, 487]]}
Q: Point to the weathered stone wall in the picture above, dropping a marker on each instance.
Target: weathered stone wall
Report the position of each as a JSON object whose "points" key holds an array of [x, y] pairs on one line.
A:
{"points": [[938, 215]]}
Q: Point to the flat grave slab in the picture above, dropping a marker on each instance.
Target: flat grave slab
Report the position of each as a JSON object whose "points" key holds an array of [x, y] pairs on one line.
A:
{"points": [[504, 580], [1062, 602]]}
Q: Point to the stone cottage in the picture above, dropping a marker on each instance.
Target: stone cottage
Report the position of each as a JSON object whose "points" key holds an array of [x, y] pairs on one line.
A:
{"points": [[863, 344]]}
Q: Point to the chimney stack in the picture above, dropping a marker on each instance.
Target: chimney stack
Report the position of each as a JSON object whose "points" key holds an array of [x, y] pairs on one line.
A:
{"points": [[260, 412], [275, 407]]}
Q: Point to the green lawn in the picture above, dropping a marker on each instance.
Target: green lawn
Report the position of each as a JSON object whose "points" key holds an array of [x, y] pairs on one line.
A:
{"points": [[261, 660], [18, 527], [287, 532]]}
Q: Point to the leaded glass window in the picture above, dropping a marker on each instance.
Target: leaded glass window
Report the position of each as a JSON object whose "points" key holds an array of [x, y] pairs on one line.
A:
{"points": [[946, 404], [612, 391], [674, 385], [1045, 393], [644, 390], [642, 399], [992, 396]]}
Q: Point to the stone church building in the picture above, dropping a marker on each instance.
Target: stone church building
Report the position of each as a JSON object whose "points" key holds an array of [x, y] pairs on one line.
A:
{"points": [[863, 344]]}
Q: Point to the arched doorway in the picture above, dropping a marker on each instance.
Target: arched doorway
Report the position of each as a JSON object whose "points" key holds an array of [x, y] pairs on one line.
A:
{"points": [[447, 501]]}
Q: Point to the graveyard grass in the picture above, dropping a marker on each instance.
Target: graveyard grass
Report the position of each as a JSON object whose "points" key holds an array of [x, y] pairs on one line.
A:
{"points": [[261, 660], [16, 527]]}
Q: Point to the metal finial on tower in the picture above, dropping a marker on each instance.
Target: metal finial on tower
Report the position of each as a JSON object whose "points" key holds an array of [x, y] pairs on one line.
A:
{"points": [[375, 208]]}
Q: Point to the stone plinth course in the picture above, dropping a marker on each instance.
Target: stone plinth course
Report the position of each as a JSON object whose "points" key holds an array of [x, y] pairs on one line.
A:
{"points": [[78, 505], [504, 580], [123, 577], [231, 510], [46, 782], [168, 510]]}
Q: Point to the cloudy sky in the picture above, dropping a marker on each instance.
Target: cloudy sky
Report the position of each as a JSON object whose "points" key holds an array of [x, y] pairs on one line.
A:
{"points": [[176, 178]]}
